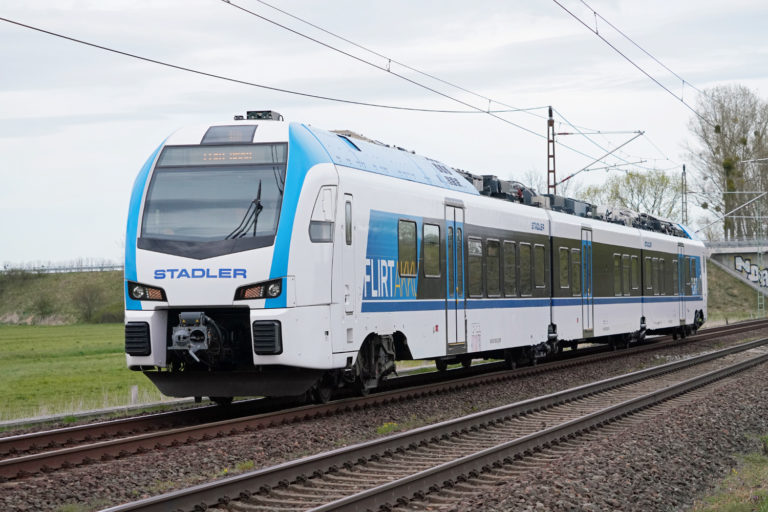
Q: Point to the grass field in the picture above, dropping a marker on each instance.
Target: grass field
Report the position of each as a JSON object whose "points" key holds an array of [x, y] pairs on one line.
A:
{"points": [[744, 490], [730, 300], [64, 369]]}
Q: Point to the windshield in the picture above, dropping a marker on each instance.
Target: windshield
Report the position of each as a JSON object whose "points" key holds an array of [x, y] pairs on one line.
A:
{"points": [[196, 200]]}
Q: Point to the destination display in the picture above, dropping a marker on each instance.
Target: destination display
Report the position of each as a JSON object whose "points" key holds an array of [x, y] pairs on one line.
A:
{"points": [[240, 154]]}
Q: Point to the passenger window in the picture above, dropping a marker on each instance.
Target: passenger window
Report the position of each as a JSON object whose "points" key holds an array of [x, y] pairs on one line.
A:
{"points": [[459, 264], [406, 247], [675, 279], [617, 274], [510, 269], [449, 261], [575, 271], [655, 276], [625, 274], [539, 266], [493, 276], [526, 285], [662, 280], [475, 267], [564, 266], [635, 273], [648, 283], [348, 221], [431, 250]]}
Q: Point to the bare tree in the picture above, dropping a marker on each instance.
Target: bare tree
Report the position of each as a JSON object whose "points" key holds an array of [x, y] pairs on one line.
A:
{"points": [[654, 192], [731, 132]]}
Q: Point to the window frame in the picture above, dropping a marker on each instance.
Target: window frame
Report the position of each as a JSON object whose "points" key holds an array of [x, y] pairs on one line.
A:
{"points": [[521, 262], [470, 256], [515, 292], [543, 265], [487, 265], [425, 252], [400, 223]]}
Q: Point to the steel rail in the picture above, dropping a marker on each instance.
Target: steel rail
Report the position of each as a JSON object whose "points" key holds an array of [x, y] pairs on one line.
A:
{"points": [[104, 450], [418, 483], [221, 491]]}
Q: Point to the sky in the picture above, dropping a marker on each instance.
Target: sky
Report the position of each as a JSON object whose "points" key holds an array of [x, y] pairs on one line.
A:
{"points": [[77, 123]]}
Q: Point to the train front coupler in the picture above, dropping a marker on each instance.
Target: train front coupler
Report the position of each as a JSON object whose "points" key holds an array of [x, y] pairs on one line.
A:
{"points": [[196, 331]]}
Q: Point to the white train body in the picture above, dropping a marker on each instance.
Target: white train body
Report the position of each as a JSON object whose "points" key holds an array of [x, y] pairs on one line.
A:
{"points": [[362, 254]]}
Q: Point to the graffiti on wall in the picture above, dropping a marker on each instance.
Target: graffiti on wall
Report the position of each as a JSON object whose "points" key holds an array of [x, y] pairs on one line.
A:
{"points": [[751, 271]]}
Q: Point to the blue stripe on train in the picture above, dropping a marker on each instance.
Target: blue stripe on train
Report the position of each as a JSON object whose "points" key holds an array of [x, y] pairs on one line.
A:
{"points": [[385, 306]]}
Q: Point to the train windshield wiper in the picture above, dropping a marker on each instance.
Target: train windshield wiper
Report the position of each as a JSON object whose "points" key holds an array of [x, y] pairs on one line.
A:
{"points": [[251, 217]]}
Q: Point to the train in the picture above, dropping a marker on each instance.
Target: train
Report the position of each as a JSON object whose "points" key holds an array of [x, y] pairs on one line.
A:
{"points": [[274, 258]]}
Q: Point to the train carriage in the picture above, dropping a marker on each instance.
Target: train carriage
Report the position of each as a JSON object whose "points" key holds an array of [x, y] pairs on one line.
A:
{"points": [[273, 258]]}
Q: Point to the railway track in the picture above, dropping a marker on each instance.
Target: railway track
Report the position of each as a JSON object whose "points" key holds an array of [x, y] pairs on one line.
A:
{"points": [[50, 450], [414, 465]]}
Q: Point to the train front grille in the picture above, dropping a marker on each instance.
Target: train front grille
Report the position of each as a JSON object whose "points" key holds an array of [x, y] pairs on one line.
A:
{"points": [[267, 338], [137, 342]]}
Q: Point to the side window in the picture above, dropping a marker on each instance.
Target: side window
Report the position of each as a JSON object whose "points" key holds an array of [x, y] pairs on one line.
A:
{"points": [[431, 250], [647, 276], [635, 273], [449, 261], [459, 263], [526, 279], [575, 271], [348, 222], [475, 256], [687, 275], [539, 266], [655, 278], [510, 269], [564, 267], [662, 278], [617, 274], [694, 275], [625, 273], [675, 279], [406, 248], [493, 259]]}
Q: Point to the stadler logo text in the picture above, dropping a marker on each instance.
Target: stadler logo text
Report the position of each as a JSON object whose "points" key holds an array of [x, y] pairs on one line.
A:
{"points": [[199, 273]]}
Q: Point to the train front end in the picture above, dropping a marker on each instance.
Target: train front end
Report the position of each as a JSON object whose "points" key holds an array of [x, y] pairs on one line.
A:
{"points": [[210, 296]]}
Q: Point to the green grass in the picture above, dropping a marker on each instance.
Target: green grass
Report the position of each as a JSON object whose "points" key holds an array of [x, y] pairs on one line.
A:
{"points": [[730, 299], [745, 489], [64, 369], [66, 298]]}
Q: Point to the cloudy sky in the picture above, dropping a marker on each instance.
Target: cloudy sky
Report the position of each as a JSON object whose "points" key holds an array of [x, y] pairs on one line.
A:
{"points": [[77, 123]]}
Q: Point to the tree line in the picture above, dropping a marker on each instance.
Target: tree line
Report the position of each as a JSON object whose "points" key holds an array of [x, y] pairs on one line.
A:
{"points": [[727, 157]]}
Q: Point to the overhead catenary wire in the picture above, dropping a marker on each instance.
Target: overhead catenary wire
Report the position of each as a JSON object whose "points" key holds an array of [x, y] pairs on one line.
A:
{"points": [[390, 60], [388, 69], [614, 27], [377, 66], [238, 81], [474, 109], [634, 64]]}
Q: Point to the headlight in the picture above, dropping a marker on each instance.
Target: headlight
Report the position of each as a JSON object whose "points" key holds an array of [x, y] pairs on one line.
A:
{"points": [[138, 291], [266, 290], [273, 290]]}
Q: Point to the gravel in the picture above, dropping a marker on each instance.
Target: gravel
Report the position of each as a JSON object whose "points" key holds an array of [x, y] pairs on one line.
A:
{"points": [[661, 464], [698, 442]]}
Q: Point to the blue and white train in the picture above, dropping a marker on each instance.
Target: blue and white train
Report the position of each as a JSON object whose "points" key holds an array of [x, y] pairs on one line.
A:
{"points": [[273, 258]]}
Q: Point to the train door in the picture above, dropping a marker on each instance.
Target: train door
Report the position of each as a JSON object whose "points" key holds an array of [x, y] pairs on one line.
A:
{"points": [[348, 258], [455, 305], [681, 273], [587, 293]]}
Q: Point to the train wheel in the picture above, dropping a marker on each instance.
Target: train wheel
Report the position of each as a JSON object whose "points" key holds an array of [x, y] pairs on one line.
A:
{"points": [[221, 401], [441, 365], [509, 359], [322, 394], [466, 363]]}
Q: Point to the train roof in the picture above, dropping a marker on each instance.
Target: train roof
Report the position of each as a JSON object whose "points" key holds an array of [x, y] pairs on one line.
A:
{"points": [[350, 150], [358, 152]]}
